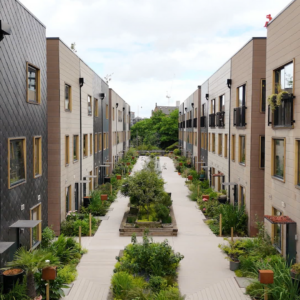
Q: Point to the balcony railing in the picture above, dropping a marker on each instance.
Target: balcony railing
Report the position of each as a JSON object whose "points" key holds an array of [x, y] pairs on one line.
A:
{"points": [[189, 123], [283, 114], [239, 116], [195, 123], [203, 121], [220, 119], [212, 120]]}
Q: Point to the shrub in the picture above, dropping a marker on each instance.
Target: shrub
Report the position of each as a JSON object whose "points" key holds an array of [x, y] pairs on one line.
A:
{"points": [[177, 152], [68, 273], [122, 282], [48, 236], [19, 291], [172, 293], [162, 212], [157, 283]]}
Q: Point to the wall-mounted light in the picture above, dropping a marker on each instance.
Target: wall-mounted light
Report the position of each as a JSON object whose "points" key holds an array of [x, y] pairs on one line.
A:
{"points": [[206, 96], [102, 96], [4, 30], [129, 112], [229, 81], [180, 112], [117, 104], [123, 108], [192, 104], [186, 109], [81, 81]]}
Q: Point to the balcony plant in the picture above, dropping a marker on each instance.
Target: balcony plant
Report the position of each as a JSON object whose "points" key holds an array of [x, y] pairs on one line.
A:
{"points": [[202, 174], [295, 271]]}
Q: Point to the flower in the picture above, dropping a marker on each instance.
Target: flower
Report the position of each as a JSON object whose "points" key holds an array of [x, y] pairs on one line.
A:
{"points": [[205, 199], [204, 209]]}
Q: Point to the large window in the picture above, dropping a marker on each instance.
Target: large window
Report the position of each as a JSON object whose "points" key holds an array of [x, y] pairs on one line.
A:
{"points": [[33, 84], [91, 144], [100, 142], [242, 149], [203, 112], [68, 98], [279, 156], [213, 142], [75, 148], [89, 100], [225, 145], [37, 152], [263, 95], [222, 103], [68, 199], [213, 106], [96, 108], [209, 145], [277, 231], [220, 144], [67, 150], [120, 118], [233, 147], [284, 78], [242, 95], [16, 161], [85, 145], [262, 152], [242, 196], [36, 232]]}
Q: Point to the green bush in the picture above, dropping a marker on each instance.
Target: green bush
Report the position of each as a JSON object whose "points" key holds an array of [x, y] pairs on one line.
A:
{"points": [[171, 293], [162, 212], [19, 292], [48, 236], [177, 152], [157, 283], [122, 282], [68, 273]]}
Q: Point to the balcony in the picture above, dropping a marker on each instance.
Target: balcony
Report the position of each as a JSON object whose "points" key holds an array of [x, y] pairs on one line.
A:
{"points": [[203, 121], [283, 114], [239, 116], [212, 120], [220, 119], [189, 123], [195, 123]]}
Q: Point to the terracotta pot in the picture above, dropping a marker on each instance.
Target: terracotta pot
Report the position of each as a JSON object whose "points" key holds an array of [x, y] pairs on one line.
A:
{"points": [[180, 164], [49, 273], [179, 173], [103, 197], [128, 164], [205, 196], [190, 177], [119, 177], [129, 173], [132, 157]]}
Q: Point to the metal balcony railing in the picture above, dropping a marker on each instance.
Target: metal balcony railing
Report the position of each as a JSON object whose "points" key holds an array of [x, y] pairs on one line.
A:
{"points": [[212, 120], [239, 116], [203, 121], [283, 114], [220, 119], [195, 122]]}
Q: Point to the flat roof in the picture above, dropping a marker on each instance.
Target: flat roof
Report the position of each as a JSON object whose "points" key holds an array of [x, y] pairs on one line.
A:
{"points": [[281, 12]]}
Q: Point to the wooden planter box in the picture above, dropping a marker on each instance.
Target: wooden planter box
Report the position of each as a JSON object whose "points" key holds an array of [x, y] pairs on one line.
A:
{"points": [[49, 273], [119, 177], [103, 197], [190, 177]]}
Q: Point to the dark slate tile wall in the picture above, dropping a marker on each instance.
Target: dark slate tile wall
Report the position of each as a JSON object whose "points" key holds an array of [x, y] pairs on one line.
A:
{"points": [[19, 118]]}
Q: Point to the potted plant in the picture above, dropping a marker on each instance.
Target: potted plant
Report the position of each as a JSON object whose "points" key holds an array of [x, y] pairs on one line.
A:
{"points": [[188, 163], [233, 253], [128, 164], [202, 174], [11, 277], [190, 177], [222, 197], [180, 164]]}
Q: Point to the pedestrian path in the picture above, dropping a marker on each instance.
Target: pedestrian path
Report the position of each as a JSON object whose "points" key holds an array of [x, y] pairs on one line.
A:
{"points": [[203, 274]]}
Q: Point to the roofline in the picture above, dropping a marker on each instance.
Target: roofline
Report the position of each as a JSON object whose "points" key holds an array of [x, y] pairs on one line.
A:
{"points": [[30, 13], [59, 39], [282, 11], [119, 96]]}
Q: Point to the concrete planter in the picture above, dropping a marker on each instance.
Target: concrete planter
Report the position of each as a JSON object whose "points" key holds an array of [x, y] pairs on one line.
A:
{"points": [[234, 265]]}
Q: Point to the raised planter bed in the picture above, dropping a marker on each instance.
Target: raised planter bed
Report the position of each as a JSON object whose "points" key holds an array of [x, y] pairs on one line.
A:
{"points": [[155, 228]]}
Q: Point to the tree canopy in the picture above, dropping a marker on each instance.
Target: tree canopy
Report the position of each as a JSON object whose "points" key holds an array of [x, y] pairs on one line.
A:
{"points": [[160, 130]]}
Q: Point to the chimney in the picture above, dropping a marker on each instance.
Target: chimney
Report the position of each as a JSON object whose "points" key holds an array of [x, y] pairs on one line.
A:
{"points": [[155, 104], [177, 103]]}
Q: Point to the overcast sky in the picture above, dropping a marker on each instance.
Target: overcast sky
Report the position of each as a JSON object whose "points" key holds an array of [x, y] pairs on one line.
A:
{"points": [[155, 47]]}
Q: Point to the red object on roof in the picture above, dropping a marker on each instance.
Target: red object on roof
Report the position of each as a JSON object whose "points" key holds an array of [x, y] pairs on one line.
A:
{"points": [[279, 219], [269, 17], [266, 25]]}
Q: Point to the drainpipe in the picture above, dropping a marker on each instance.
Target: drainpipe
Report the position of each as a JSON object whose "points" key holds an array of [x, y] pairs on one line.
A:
{"points": [[192, 104], [102, 96], [229, 131], [81, 83], [117, 153]]}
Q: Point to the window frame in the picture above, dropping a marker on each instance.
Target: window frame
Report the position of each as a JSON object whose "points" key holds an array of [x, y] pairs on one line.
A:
{"points": [[77, 148], [213, 106], [95, 142], [240, 149], [213, 142], [238, 96], [100, 142], [69, 188], [85, 148], [38, 137], [241, 187], [297, 163], [39, 226], [273, 159], [233, 143], [38, 82], [70, 97], [260, 152], [220, 107], [67, 150], [261, 96], [25, 161], [220, 144], [91, 182], [274, 210], [225, 145], [90, 113], [91, 144], [106, 112]]}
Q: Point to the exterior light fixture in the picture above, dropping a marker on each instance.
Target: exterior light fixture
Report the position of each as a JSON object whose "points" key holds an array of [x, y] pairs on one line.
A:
{"points": [[192, 104], [123, 108], [117, 104], [102, 96], [180, 112], [206, 96], [186, 109], [229, 81], [4, 30], [81, 81]]}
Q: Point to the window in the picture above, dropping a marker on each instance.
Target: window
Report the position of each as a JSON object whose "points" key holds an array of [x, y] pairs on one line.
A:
{"points": [[96, 142], [67, 150], [33, 84], [213, 142], [202, 141], [104, 141], [233, 147], [75, 147], [120, 116], [37, 164], [242, 149], [205, 141], [278, 158], [36, 232], [67, 97], [85, 145], [100, 141], [17, 162], [89, 100], [242, 196], [263, 96], [68, 199], [262, 152], [203, 110], [222, 103], [96, 108], [113, 113], [284, 79], [91, 182], [242, 95], [107, 141], [220, 144], [106, 170], [212, 177], [277, 231], [297, 164], [209, 145], [212, 107], [225, 145], [97, 178], [106, 111], [91, 144]]}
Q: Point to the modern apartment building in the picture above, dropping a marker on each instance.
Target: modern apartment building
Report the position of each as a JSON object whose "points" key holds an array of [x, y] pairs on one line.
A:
{"points": [[23, 134], [282, 134], [70, 130], [247, 130], [218, 102], [203, 125], [119, 127]]}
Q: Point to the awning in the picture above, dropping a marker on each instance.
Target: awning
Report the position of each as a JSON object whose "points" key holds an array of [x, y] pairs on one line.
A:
{"points": [[218, 175], [25, 224], [279, 219], [5, 245], [229, 183]]}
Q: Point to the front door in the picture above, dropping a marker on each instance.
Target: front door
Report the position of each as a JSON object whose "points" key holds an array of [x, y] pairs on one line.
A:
{"points": [[76, 196]]}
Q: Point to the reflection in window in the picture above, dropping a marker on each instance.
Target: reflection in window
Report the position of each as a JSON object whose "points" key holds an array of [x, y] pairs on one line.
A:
{"points": [[222, 103], [277, 238], [212, 107], [17, 161], [242, 95], [67, 97], [32, 84], [262, 152], [68, 199], [242, 149], [36, 231], [263, 95], [75, 148], [279, 158], [284, 79], [89, 105]]}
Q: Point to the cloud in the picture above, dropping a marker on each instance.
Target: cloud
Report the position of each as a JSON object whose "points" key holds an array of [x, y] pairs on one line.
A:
{"points": [[155, 46]]}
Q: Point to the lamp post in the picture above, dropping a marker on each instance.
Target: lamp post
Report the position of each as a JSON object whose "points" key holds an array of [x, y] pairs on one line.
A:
{"points": [[102, 96]]}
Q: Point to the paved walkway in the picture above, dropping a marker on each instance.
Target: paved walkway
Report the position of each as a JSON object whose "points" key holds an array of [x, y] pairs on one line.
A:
{"points": [[204, 273]]}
